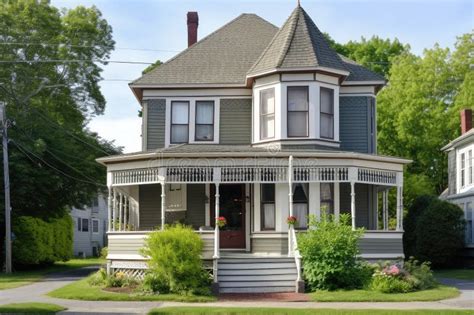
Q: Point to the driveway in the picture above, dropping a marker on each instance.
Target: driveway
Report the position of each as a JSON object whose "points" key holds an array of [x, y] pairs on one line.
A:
{"points": [[36, 292]]}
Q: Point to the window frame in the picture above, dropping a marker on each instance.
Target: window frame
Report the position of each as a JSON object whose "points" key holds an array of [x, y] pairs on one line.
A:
{"points": [[300, 202], [261, 115], [332, 115], [297, 111], [196, 124], [462, 166], [86, 229], [265, 202], [172, 124], [98, 226]]}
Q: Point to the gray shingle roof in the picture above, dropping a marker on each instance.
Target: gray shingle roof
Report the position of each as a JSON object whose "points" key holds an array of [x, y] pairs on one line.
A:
{"points": [[298, 44], [359, 72], [223, 57]]}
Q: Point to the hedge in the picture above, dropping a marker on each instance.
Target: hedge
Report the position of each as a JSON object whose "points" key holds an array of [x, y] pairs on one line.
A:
{"points": [[42, 242]]}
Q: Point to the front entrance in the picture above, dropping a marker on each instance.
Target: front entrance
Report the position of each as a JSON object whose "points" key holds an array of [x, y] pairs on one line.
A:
{"points": [[232, 207]]}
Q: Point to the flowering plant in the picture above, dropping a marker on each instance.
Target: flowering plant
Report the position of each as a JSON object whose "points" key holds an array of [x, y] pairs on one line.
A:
{"points": [[291, 220], [221, 222]]}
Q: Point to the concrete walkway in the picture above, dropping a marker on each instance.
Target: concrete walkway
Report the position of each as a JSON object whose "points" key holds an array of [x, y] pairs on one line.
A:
{"points": [[36, 292]]}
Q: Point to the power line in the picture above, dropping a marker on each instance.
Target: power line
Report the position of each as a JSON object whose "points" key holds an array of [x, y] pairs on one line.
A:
{"points": [[28, 152], [75, 61]]}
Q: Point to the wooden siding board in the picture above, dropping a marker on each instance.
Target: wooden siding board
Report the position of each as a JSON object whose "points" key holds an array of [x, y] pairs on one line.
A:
{"points": [[150, 206], [452, 172], [155, 132], [363, 204], [196, 212], [381, 246], [235, 121], [270, 245]]}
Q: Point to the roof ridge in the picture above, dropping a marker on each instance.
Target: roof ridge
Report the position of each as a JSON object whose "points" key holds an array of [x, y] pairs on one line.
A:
{"points": [[199, 42]]}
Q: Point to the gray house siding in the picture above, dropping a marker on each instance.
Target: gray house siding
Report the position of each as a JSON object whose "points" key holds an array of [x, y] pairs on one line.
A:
{"points": [[452, 172], [196, 213], [357, 124], [364, 196], [155, 120], [235, 121]]}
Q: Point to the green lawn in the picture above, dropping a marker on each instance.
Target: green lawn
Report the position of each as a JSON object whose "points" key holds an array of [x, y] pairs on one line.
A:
{"points": [[284, 311], [30, 308], [19, 278], [463, 274], [436, 294], [81, 290]]}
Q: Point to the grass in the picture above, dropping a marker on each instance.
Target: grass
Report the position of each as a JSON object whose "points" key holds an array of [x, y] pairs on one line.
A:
{"points": [[82, 290], [439, 293], [462, 274], [30, 308], [289, 311], [19, 278]]}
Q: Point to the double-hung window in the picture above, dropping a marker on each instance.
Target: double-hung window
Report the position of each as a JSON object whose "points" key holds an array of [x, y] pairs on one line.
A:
{"points": [[298, 111], [204, 128], [463, 169], [267, 196], [82, 225], [300, 204], [327, 113], [327, 198], [267, 114], [179, 122], [95, 226]]}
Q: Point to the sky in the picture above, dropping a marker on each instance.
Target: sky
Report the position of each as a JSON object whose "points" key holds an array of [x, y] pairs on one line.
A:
{"points": [[147, 30]]}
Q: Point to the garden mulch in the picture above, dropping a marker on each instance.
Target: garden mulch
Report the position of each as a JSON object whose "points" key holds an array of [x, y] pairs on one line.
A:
{"points": [[267, 297]]}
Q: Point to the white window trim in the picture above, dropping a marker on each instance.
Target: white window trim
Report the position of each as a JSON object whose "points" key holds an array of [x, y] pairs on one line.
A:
{"points": [[192, 119], [465, 150], [98, 226]]}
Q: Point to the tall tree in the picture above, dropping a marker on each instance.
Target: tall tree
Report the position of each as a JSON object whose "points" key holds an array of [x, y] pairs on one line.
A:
{"points": [[51, 65], [418, 112]]}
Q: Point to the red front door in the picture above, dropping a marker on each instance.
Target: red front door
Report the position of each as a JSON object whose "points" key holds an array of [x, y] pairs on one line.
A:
{"points": [[232, 207]]}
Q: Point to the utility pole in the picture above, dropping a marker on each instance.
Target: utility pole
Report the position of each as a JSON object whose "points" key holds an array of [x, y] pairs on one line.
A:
{"points": [[6, 179]]}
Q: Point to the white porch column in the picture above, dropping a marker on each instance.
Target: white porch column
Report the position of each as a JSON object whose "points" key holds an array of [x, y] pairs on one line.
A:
{"points": [[337, 202], [163, 204], [216, 227], [120, 212], [126, 207], [352, 178], [290, 204], [114, 218], [399, 201], [109, 209]]}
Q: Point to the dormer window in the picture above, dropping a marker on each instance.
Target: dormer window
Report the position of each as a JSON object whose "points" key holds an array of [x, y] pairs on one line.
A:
{"points": [[267, 114], [204, 121], [327, 113], [179, 122], [298, 111]]}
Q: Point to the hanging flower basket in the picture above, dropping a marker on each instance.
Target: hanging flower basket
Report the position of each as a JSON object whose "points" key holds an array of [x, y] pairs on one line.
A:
{"points": [[221, 222], [291, 220]]}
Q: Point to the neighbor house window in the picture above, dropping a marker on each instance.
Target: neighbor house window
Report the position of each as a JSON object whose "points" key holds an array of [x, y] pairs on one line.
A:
{"points": [[298, 107], [327, 198], [204, 129], [179, 122], [267, 196], [95, 226], [327, 113], [469, 163], [300, 205], [267, 114], [463, 170], [82, 225]]}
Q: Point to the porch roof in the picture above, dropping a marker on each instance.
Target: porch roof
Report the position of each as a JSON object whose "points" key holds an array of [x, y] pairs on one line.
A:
{"points": [[235, 151]]}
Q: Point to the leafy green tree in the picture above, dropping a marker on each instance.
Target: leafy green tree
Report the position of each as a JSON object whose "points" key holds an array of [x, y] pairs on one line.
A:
{"points": [[49, 81], [152, 66], [418, 111]]}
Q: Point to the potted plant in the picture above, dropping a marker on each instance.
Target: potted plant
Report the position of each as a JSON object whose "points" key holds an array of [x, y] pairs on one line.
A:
{"points": [[291, 220], [221, 222]]}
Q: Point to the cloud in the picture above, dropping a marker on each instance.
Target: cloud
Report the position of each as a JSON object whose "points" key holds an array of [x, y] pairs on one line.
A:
{"points": [[125, 131]]}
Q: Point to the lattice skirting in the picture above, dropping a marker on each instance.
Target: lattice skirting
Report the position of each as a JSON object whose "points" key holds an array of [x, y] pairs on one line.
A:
{"points": [[135, 269]]}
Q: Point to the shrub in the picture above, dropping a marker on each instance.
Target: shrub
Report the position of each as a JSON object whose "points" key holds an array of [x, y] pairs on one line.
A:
{"points": [[41, 242], [421, 275], [104, 252], [155, 284], [389, 284], [329, 250], [99, 278], [439, 233], [120, 279], [175, 258]]}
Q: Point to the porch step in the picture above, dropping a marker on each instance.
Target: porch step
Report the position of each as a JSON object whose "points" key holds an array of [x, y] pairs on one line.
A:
{"points": [[256, 274]]}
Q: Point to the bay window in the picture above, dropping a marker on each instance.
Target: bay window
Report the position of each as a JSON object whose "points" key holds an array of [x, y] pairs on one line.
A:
{"points": [[204, 129], [297, 115], [267, 208], [179, 122], [327, 113], [300, 205], [267, 114]]}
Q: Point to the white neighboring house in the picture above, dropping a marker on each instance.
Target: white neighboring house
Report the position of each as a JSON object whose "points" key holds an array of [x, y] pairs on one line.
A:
{"points": [[460, 189], [90, 227]]}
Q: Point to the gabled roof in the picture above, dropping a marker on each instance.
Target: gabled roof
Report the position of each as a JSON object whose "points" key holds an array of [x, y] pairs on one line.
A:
{"points": [[463, 139], [223, 57], [298, 44], [359, 72]]}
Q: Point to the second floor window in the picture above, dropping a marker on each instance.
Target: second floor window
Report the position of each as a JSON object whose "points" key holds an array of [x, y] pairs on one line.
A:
{"points": [[327, 113], [298, 107], [179, 122], [267, 114], [463, 170], [469, 163], [204, 121], [82, 225], [95, 226]]}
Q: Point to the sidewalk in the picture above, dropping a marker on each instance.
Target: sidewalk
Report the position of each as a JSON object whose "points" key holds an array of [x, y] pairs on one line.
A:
{"points": [[36, 292]]}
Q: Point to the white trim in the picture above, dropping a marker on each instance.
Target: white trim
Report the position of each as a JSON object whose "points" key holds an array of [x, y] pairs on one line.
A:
{"points": [[187, 85], [98, 226], [357, 95], [383, 234], [337, 201], [282, 235], [299, 69], [126, 257], [128, 236], [153, 94]]}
